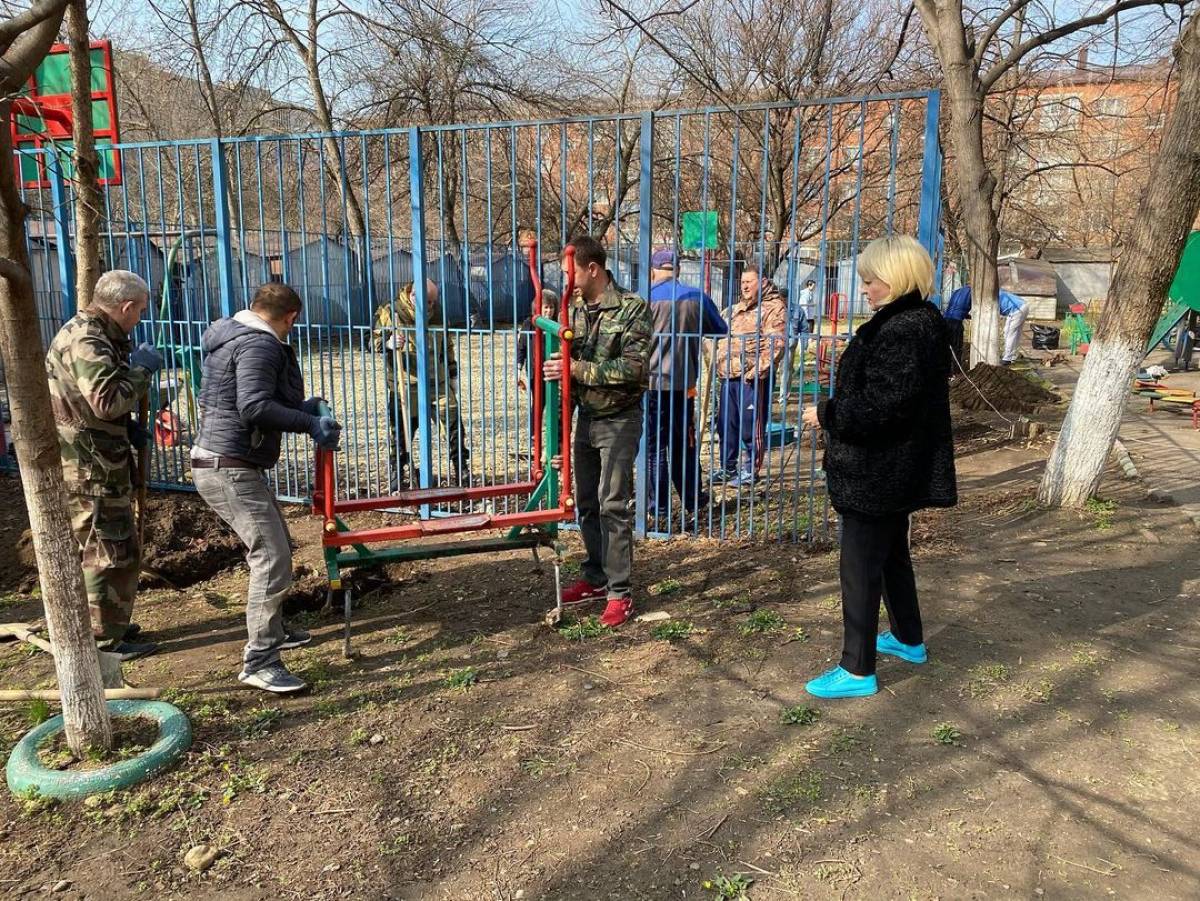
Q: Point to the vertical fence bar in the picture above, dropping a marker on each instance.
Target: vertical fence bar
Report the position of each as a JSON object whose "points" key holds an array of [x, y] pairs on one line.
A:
{"points": [[60, 201], [931, 176], [221, 216], [416, 183], [645, 237]]}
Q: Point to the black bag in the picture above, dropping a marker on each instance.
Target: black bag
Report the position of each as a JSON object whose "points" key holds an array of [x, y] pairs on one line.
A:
{"points": [[1045, 337]]}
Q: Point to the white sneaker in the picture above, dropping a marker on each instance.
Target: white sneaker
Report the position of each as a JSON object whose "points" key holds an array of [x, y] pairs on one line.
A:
{"points": [[274, 678]]}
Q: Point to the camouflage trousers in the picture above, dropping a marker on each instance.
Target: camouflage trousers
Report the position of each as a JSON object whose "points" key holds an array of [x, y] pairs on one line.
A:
{"points": [[106, 532]]}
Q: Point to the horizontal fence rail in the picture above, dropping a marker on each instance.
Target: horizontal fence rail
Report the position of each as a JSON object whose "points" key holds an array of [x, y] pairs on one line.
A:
{"points": [[350, 220]]}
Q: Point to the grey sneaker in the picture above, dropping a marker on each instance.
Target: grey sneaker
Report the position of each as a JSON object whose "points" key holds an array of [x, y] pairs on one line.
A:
{"points": [[296, 638], [274, 678]]}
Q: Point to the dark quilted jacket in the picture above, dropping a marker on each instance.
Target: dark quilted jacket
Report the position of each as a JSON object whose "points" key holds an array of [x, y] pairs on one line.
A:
{"points": [[889, 445], [250, 393]]}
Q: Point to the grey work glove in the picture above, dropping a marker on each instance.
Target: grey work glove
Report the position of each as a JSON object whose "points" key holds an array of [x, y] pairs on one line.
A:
{"points": [[326, 432], [312, 406], [147, 358]]}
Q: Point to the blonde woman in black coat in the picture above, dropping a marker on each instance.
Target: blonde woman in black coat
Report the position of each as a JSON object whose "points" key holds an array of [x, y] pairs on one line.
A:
{"points": [[888, 452]]}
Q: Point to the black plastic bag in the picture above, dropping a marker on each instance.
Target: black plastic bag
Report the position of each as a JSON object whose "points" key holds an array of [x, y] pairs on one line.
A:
{"points": [[1045, 337]]}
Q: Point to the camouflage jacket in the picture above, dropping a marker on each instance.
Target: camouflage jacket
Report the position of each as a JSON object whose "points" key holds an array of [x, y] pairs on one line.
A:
{"points": [[92, 393], [754, 344], [610, 352], [399, 320]]}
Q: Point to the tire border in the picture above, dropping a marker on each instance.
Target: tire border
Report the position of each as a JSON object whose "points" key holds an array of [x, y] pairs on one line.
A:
{"points": [[25, 773]]}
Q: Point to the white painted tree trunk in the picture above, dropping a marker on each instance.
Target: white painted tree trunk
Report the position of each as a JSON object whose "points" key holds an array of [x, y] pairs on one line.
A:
{"points": [[1152, 248], [1077, 462]]}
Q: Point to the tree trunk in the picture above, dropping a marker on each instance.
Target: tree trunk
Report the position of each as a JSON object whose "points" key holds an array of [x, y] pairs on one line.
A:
{"points": [[1149, 259], [35, 437], [88, 201]]}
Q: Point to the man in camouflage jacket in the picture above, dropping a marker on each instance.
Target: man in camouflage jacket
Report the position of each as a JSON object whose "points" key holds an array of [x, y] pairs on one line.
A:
{"points": [[95, 388], [395, 329], [609, 372]]}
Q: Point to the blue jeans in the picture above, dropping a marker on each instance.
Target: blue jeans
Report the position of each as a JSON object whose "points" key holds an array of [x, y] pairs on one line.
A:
{"points": [[672, 451]]}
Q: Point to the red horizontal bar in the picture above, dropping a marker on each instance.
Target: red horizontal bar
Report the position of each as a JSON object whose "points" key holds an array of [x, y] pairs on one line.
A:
{"points": [[471, 522], [420, 496]]}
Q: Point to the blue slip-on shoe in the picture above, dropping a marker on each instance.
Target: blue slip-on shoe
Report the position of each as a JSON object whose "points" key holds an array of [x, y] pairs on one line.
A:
{"points": [[889, 644], [838, 683]]}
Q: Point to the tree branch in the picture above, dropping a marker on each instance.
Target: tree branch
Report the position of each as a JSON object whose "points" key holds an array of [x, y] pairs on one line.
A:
{"points": [[38, 12], [29, 48], [1019, 52]]}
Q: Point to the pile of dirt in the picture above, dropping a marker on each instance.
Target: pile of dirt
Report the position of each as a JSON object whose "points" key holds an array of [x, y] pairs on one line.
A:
{"points": [[1008, 390], [186, 542]]}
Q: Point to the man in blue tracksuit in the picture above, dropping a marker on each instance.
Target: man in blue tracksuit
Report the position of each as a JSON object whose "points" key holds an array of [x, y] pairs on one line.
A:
{"points": [[681, 314], [957, 310]]}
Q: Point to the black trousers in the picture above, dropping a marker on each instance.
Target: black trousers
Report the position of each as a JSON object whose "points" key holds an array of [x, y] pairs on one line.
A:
{"points": [[876, 564], [954, 328]]}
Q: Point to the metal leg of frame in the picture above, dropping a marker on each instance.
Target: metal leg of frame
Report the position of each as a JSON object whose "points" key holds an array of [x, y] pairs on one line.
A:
{"points": [[347, 605]]}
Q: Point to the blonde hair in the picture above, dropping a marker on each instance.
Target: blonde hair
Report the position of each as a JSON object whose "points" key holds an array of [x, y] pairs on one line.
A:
{"points": [[901, 263]]}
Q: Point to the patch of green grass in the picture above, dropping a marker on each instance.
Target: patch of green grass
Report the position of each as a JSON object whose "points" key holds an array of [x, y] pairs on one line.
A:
{"points": [[784, 794], [396, 846], [845, 741], [947, 734], [729, 888], [1040, 691], [358, 737], [317, 671], [832, 602], [583, 629], [800, 715], [241, 780], [760, 622], [37, 712], [672, 630], [12, 599], [799, 634], [665, 587], [984, 678], [571, 567], [259, 721], [397, 636], [1102, 511], [461, 679]]}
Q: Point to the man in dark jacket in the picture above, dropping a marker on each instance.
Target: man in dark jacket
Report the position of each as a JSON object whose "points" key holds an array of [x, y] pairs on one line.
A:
{"points": [[251, 393], [681, 314]]}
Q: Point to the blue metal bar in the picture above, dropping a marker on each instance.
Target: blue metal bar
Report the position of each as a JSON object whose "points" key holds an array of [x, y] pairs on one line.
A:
{"points": [[645, 234], [221, 218], [931, 172], [893, 155], [61, 204], [416, 169]]}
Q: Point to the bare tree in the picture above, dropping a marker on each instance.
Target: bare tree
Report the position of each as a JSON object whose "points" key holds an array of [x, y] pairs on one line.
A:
{"points": [[977, 50], [25, 38], [89, 206], [1153, 247]]}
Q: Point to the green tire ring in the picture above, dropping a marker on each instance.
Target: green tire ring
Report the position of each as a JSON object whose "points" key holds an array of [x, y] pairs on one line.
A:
{"points": [[26, 774]]}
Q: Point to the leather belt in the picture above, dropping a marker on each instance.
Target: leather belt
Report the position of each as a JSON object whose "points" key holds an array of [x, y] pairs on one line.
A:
{"points": [[222, 463]]}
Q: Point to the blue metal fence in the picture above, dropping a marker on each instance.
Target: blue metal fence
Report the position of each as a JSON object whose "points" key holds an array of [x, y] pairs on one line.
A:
{"points": [[348, 219]]}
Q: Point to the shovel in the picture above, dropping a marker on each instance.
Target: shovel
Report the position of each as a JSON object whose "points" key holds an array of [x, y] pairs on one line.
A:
{"points": [[110, 664]]}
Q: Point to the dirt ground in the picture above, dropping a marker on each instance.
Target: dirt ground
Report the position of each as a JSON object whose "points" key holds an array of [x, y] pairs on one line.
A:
{"points": [[1048, 749]]}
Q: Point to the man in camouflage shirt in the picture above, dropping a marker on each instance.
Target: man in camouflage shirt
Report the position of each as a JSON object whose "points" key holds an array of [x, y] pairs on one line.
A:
{"points": [[609, 372], [95, 388], [395, 325]]}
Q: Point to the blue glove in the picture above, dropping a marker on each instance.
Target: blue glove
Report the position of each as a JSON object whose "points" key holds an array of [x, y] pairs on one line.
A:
{"points": [[147, 358], [326, 431], [312, 406]]}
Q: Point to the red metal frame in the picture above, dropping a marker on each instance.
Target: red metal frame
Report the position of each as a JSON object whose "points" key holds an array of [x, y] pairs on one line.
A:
{"points": [[564, 319], [55, 110], [326, 504]]}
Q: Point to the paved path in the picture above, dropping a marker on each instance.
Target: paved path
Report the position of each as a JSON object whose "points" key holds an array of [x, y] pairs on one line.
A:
{"points": [[1164, 447]]}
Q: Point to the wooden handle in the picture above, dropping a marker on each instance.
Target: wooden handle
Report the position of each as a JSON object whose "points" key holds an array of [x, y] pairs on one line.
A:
{"points": [[51, 694]]}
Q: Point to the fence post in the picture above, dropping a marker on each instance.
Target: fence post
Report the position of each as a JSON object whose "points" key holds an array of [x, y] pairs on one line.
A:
{"points": [[62, 227], [645, 243], [931, 177], [221, 214], [416, 183]]}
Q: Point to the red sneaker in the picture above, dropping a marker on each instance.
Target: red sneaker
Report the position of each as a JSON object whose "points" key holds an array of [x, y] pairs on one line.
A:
{"points": [[617, 612], [582, 592]]}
